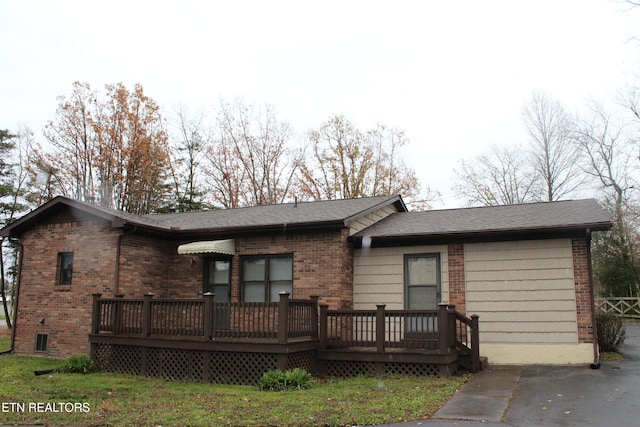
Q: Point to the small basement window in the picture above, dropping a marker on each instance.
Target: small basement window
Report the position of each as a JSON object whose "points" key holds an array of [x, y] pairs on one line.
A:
{"points": [[41, 342]]}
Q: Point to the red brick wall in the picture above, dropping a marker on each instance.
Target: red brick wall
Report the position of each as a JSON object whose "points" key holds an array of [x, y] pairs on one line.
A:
{"points": [[584, 308], [457, 285], [322, 265], [145, 264], [63, 312]]}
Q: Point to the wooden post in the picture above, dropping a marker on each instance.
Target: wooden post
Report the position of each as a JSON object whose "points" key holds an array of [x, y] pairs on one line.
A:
{"points": [[208, 318], [454, 330], [207, 314], [283, 317], [116, 313], [95, 313], [323, 327], [475, 344], [380, 327], [314, 317], [146, 314], [443, 327]]}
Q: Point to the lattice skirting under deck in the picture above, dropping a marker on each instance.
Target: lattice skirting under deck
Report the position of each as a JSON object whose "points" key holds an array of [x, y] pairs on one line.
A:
{"points": [[344, 368], [242, 368], [196, 365]]}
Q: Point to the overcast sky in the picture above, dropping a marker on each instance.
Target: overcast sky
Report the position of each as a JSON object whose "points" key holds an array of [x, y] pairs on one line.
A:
{"points": [[453, 74]]}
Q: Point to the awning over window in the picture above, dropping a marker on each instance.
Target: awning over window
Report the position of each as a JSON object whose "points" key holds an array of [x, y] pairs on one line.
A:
{"points": [[227, 247]]}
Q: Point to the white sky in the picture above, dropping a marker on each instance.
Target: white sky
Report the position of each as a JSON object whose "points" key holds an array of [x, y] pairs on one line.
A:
{"points": [[453, 74]]}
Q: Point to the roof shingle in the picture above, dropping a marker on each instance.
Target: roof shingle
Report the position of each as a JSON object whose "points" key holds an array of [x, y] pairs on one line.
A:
{"points": [[289, 214], [563, 215]]}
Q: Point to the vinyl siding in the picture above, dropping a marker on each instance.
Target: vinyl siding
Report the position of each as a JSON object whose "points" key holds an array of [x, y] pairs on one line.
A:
{"points": [[523, 291], [378, 275], [370, 219]]}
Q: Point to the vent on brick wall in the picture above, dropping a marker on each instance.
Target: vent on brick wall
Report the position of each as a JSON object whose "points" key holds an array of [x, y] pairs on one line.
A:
{"points": [[41, 342]]}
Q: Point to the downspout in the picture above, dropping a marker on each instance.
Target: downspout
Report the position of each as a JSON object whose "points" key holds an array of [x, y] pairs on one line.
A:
{"points": [[116, 278], [16, 298], [592, 298]]}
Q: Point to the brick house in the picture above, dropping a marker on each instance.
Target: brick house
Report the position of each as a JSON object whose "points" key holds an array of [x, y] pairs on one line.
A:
{"points": [[524, 269]]}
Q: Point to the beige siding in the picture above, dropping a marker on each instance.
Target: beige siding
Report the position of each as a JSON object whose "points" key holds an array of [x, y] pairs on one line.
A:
{"points": [[523, 291], [368, 220], [378, 275]]}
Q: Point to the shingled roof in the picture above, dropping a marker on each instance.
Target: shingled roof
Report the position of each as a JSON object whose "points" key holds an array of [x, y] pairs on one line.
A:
{"points": [[549, 217], [299, 215]]}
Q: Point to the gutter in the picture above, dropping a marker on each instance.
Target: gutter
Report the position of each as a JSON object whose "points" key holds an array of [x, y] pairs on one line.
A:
{"points": [[116, 276], [471, 236], [16, 299], [592, 301]]}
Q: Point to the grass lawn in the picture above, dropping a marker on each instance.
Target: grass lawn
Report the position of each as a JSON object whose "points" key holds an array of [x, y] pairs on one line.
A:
{"points": [[5, 339], [123, 400]]}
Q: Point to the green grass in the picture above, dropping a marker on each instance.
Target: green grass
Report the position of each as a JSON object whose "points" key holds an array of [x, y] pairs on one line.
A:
{"points": [[611, 356], [122, 400], [5, 343], [5, 339]]}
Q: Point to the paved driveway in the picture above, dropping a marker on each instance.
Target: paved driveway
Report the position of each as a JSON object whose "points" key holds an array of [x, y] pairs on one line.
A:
{"points": [[579, 396], [525, 396]]}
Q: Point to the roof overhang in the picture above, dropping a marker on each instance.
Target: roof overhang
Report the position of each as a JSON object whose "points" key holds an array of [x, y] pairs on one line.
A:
{"points": [[78, 211], [582, 231], [225, 247]]}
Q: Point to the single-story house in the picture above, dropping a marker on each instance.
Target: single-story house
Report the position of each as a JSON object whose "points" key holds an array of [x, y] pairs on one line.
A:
{"points": [[523, 269]]}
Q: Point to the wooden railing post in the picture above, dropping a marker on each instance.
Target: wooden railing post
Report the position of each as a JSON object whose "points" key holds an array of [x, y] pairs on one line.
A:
{"points": [[283, 317], [380, 327], [116, 314], [314, 317], [207, 314], [95, 314], [324, 326], [475, 344], [443, 327], [146, 314]]}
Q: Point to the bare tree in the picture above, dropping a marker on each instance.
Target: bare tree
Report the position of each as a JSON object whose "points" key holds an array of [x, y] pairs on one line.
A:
{"points": [[553, 154], [74, 139], [500, 177], [339, 164], [13, 175], [250, 160], [610, 159], [346, 162], [187, 156], [391, 174]]}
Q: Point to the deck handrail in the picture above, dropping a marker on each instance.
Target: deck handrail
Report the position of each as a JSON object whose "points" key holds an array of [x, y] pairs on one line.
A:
{"points": [[443, 330], [206, 318], [468, 337]]}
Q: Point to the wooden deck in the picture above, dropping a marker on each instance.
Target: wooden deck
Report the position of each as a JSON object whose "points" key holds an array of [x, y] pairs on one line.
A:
{"points": [[205, 340]]}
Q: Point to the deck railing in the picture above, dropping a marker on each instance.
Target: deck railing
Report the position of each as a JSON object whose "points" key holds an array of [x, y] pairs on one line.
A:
{"points": [[206, 318], [443, 330]]}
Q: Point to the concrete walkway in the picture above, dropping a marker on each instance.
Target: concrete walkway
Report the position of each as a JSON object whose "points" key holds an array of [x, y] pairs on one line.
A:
{"points": [[482, 401], [526, 396]]}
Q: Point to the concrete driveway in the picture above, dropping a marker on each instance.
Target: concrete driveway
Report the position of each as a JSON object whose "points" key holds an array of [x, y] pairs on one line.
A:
{"points": [[526, 396]]}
